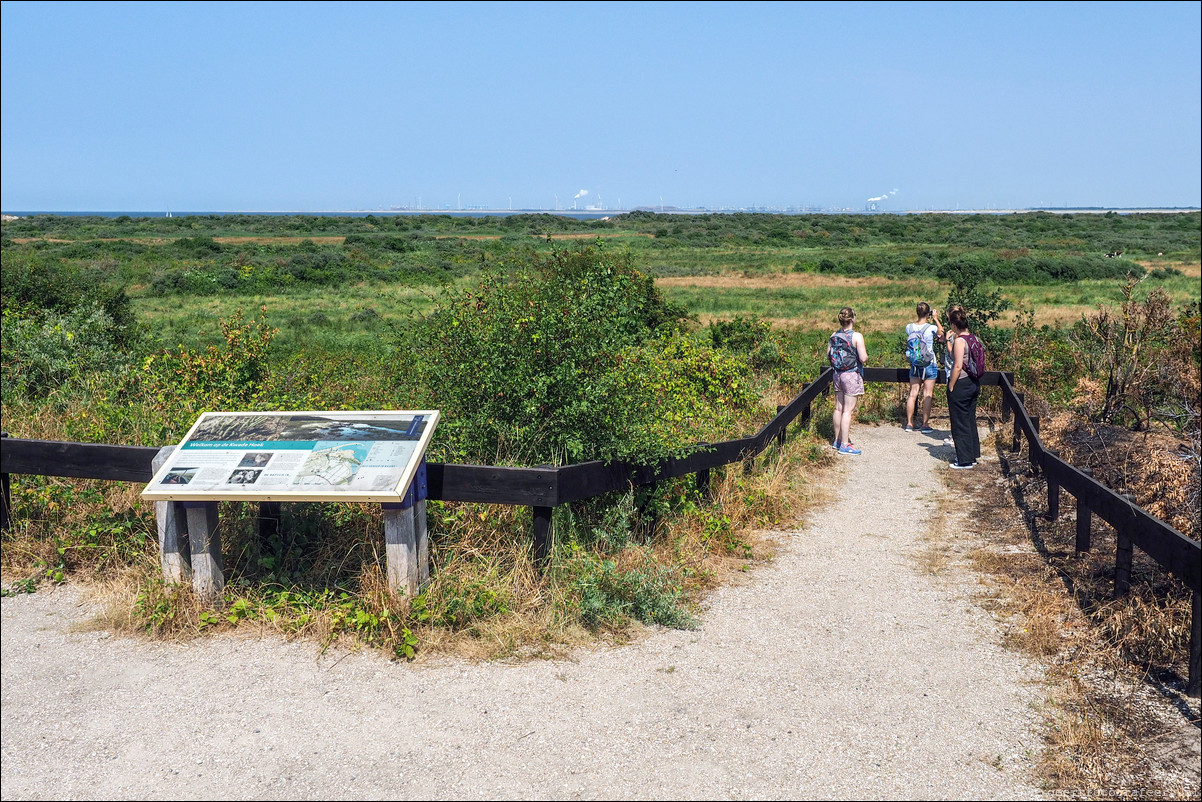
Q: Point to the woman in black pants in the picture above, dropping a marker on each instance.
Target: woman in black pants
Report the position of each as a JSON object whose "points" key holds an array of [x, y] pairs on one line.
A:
{"points": [[962, 391]]}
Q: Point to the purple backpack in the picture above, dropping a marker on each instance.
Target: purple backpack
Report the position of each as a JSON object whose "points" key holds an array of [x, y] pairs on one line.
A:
{"points": [[974, 355]]}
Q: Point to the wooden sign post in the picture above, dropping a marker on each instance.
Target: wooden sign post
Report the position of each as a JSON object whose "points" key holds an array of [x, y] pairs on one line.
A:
{"points": [[272, 457]]}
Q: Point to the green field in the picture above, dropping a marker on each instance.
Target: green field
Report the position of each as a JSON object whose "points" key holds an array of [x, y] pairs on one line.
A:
{"points": [[345, 283]]}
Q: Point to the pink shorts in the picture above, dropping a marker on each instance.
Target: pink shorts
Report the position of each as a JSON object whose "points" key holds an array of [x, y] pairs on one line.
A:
{"points": [[849, 383]]}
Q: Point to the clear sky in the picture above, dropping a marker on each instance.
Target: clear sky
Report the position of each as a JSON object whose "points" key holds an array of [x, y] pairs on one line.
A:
{"points": [[350, 106]]}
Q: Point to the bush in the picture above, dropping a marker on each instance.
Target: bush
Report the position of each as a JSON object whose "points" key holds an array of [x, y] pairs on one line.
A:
{"points": [[607, 595], [173, 387], [569, 357], [57, 354]]}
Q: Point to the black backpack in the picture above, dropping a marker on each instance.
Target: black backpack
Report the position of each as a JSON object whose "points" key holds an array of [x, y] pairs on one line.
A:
{"points": [[842, 352]]}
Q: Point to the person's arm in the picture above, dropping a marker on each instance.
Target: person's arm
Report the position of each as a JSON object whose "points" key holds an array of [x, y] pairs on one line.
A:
{"points": [[938, 325], [958, 364], [860, 347]]}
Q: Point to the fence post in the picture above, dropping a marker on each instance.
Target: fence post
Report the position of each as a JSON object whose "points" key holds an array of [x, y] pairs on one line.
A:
{"points": [[171, 520], [269, 521], [653, 517], [780, 436], [1005, 406], [406, 541], [5, 498], [805, 411], [208, 581], [1031, 459], [421, 492], [542, 532], [1122, 564], [400, 544], [1084, 522], [702, 477], [1123, 552], [1015, 441], [1053, 494], [1193, 685]]}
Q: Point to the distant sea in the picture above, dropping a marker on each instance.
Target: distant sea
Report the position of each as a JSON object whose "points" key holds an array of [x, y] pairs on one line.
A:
{"points": [[577, 215], [597, 215]]}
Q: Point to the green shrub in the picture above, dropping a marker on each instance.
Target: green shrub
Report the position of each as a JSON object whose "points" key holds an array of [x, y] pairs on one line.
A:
{"points": [[58, 354], [565, 358], [605, 594], [741, 334]]}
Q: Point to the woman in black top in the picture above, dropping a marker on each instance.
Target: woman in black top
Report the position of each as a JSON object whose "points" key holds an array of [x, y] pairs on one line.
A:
{"points": [[962, 392]]}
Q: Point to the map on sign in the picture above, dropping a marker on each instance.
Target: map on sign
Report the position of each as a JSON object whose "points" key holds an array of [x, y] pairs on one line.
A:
{"points": [[296, 456]]}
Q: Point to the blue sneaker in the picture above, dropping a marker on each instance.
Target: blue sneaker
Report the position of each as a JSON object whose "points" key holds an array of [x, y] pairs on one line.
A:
{"points": [[849, 449], [836, 445]]}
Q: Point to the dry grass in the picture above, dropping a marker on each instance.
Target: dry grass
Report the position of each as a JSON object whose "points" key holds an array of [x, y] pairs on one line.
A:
{"points": [[775, 281], [1111, 664], [1191, 269], [1152, 465], [281, 239], [481, 554]]}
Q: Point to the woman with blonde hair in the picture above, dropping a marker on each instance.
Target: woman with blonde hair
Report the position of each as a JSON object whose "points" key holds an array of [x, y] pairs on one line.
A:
{"points": [[847, 355]]}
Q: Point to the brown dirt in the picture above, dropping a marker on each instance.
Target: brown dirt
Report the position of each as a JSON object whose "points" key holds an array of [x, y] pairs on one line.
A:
{"points": [[269, 240], [593, 235], [1193, 269], [780, 280]]}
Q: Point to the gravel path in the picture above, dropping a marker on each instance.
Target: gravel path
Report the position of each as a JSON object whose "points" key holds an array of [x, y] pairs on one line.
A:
{"points": [[840, 671]]}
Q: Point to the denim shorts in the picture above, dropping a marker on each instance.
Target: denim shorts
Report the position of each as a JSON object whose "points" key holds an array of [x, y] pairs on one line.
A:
{"points": [[929, 372]]}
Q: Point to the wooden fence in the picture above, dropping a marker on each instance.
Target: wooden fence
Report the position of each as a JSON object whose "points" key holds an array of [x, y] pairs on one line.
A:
{"points": [[544, 488]]}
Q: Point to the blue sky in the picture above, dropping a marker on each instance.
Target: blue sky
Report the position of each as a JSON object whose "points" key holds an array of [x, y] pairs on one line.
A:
{"points": [[345, 106]]}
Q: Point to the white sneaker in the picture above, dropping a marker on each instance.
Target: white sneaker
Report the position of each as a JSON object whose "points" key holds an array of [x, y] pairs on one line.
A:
{"points": [[947, 441], [960, 467]]}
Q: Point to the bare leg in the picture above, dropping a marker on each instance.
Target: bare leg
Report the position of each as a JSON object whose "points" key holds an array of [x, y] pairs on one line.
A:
{"points": [[837, 416], [927, 400], [849, 407], [912, 400]]}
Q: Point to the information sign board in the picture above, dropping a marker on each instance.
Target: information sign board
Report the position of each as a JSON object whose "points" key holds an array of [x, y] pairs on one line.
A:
{"points": [[296, 456]]}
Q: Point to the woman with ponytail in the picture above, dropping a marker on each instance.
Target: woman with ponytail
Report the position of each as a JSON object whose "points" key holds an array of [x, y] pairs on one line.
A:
{"points": [[847, 355]]}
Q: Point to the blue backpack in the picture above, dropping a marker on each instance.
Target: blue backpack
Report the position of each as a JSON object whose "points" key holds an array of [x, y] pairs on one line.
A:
{"points": [[842, 352], [918, 350]]}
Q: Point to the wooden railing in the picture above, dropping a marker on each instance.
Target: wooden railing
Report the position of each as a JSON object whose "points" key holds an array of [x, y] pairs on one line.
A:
{"points": [[1181, 556], [544, 488]]}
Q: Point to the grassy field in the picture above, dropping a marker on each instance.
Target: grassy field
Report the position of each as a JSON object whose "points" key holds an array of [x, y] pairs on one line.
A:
{"points": [[355, 318], [360, 316], [812, 301]]}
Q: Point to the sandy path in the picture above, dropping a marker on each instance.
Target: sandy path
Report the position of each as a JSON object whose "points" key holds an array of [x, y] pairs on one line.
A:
{"points": [[839, 671]]}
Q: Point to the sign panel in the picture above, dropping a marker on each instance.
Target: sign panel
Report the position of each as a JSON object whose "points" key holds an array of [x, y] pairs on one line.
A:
{"points": [[296, 456]]}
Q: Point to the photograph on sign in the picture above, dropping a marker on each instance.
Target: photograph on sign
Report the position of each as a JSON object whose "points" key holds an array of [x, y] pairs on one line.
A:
{"points": [[298, 456]]}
